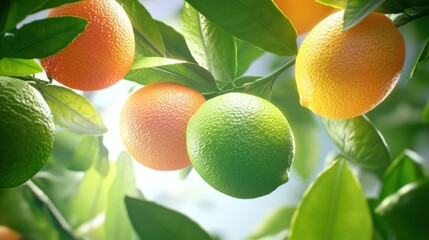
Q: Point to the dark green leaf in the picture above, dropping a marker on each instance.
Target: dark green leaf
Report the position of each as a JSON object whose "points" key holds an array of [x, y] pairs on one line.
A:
{"points": [[357, 10], [381, 228], [148, 38], [400, 6], [407, 210], [14, 11], [246, 54], [259, 22], [212, 47], [304, 127], [152, 221], [72, 111], [359, 140], [406, 168], [55, 3], [41, 38], [152, 69], [174, 43], [276, 222], [86, 153], [19, 67], [421, 60], [334, 206], [117, 224]]}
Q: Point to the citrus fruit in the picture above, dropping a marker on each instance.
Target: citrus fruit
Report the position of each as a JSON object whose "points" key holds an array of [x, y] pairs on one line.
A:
{"points": [[241, 145], [153, 124], [101, 55], [304, 14], [7, 233], [26, 132], [344, 74]]}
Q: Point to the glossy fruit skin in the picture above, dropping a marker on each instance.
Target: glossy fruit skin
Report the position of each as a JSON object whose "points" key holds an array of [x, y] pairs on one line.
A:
{"points": [[344, 74], [304, 14], [241, 145], [26, 132], [101, 55], [153, 124]]}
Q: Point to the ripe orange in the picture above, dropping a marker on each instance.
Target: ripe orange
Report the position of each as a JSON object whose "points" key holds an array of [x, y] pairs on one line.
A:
{"points": [[26, 132], [304, 14], [102, 54], [7, 233], [153, 124], [241, 145], [344, 74]]}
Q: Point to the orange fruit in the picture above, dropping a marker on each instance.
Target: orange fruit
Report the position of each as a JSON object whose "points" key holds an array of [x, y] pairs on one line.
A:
{"points": [[241, 145], [26, 132], [304, 14], [102, 54], [153, 124], [7, 233], [344, 74]]}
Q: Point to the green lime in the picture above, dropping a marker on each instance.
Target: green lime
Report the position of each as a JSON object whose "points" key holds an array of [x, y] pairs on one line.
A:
{"points": [[241, 145], [26, 132]]}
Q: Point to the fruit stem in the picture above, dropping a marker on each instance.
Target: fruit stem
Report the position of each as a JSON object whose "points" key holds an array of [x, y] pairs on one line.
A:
{"points": [[33, 79], [59, 219]]}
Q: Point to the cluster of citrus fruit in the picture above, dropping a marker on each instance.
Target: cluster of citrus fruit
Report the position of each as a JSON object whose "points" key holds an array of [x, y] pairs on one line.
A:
{"points": [[240, 144]]}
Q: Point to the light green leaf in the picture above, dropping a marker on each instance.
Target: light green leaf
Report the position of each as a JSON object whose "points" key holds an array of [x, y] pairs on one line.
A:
{"points": [[102, 165], [407, 210], [246, 54], [148, 38], [359, 141], [174, 43], [72, 111], [425, 113], [357, 10], [421, 60], [333, 3], [277, 221], [14, 11], [259, 22], [152, 221], [19, 67], [41, 38], [304, 127], [212, 47], [153, 69], [117, 224], [406, 168], [86, 153], [334, 206]]}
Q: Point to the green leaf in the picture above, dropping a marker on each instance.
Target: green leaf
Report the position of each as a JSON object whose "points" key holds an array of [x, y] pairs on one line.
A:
{"points": [[421, 60], [407, 210], [148, 38], [334, 206], [152, 69], [381, 228], [174, 43], [304, 127], [55, 3], [152, 221], [246, 54], [72, 111], [19, 67], [86, 153], [357, 10], [184, 173], [341, 4], [102, 165], [117, 224], [359, 141], [425, 113], [277, 221], [406, 168], [14, 11], [259, 22], [212, 47], [41, 38]]}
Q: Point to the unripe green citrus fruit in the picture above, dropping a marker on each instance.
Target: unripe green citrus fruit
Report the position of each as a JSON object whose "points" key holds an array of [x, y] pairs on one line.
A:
{"points": [[241, 145], [26, 132]]}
